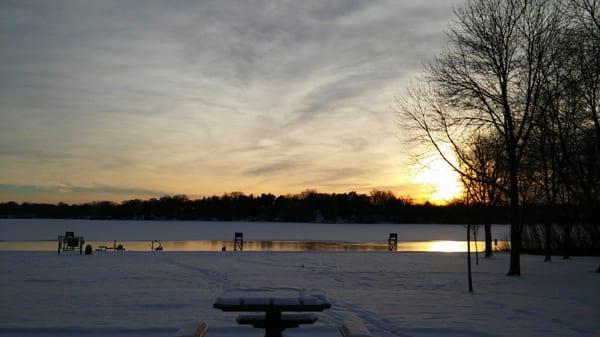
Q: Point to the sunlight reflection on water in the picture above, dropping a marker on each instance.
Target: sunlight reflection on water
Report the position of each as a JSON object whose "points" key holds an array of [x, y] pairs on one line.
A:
{"points": [[254, 245]]}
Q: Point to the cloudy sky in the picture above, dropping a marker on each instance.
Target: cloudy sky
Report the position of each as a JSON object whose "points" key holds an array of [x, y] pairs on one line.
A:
{"points": [[121, 99]]}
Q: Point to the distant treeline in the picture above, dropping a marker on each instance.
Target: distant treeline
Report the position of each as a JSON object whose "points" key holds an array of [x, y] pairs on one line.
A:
{"points": [[308, 206]]}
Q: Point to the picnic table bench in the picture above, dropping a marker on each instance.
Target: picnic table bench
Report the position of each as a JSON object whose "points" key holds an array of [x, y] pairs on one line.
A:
{"points": [[273, 302]]}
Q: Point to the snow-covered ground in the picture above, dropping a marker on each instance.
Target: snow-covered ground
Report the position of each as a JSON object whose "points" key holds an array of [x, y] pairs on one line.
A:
{"points": [[395, 294]]}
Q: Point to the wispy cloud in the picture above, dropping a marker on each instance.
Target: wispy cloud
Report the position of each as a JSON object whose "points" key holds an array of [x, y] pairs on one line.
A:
{"points": [[73, 193], [207, 97], [268, 169]]}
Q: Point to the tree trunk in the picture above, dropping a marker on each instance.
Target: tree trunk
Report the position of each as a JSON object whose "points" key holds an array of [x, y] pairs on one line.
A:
{"points": [[476, 248], [488, 239], [598, 224], [548, 242], [515, 221], [469, 258], [567, 244]]}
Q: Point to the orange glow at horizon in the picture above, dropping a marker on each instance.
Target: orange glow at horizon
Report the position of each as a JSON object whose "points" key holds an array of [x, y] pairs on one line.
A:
{"points": [[436, 182]]}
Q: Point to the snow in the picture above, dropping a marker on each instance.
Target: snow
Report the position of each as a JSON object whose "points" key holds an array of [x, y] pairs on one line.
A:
{"points": [[394, 294], [108, 230], [271, 297]]}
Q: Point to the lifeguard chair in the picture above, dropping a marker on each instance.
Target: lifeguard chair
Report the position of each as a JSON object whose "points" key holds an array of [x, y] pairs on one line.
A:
{"points": [[158, 248], [70, 242], [238, 243], [393, 242]]}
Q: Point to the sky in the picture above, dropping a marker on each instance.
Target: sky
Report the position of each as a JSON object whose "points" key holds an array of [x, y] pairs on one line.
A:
{"points": [[113, 100]]}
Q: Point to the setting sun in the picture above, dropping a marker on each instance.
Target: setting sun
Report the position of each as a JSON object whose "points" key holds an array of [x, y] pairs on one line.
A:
{"points": [[443, 183]]}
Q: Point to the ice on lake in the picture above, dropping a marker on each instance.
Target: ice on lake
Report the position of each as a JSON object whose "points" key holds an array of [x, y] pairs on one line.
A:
{"points": [[40, 235]]}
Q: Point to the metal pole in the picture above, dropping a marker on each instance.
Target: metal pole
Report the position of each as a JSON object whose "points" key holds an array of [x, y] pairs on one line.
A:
{"points": [[469, 257]]}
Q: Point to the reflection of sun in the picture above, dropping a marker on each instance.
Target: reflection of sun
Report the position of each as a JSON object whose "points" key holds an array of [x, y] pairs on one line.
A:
{"points": [[443, 181], [447, 246], [453, 246]]}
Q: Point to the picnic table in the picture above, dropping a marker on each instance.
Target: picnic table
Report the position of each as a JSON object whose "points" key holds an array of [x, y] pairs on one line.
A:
{"points": [[273, 302]]}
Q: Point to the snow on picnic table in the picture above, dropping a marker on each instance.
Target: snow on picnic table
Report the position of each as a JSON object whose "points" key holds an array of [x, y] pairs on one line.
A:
{"points": [[395, 294]]}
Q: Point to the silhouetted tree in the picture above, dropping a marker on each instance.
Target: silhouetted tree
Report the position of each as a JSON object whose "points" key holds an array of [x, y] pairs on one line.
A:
{"points": [[584, 35], [336, 207], [485, 170], [489, 77]]}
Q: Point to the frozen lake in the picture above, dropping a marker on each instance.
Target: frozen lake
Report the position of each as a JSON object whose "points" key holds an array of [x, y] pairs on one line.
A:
{"points": [[108, 230], [40, 235], [445, 246]]}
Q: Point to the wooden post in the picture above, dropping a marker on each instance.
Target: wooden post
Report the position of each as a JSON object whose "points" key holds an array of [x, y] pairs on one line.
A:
{"points": [[476, 248], [488, 239]]}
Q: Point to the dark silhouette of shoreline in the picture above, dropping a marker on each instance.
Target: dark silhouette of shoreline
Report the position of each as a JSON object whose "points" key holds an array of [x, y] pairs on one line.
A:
{"points": [[352, 207], [378, 206]]}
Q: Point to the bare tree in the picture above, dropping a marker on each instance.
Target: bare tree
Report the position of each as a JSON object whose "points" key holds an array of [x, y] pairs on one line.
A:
{"points": [[489, 80], [485, 171], [584, 35]]}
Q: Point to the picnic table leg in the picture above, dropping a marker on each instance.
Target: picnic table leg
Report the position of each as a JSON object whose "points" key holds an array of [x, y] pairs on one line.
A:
{"points": [[273, 326]]}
